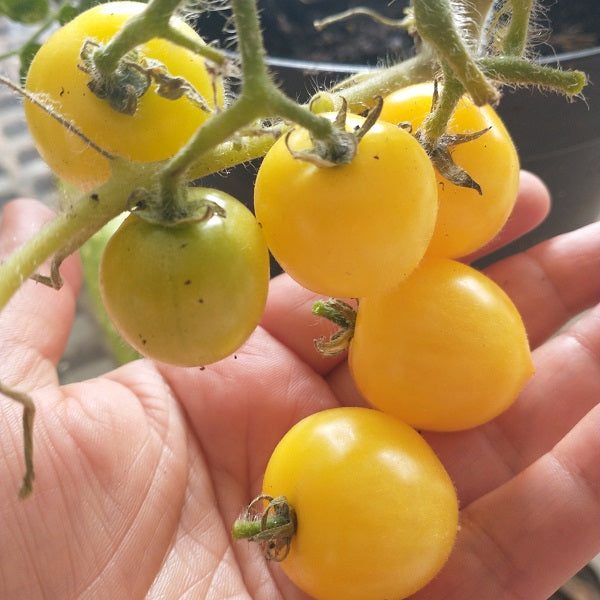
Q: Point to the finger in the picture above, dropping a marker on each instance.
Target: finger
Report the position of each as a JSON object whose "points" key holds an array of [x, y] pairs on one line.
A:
{"points": [[288, 318], [512, 541], [35, 325], [531, 208], [553, 281]]}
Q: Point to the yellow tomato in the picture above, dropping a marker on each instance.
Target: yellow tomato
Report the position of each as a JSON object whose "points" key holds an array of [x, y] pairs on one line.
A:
{"points": [[445, 350], [466, 220], [353, 229], [156, 131], [376, 511]]}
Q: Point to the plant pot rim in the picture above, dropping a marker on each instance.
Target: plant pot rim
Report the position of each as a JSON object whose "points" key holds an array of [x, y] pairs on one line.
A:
{"points": [[334, 67]]}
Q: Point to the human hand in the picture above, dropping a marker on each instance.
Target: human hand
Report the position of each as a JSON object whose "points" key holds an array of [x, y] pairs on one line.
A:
{"points": [[140, 472]]}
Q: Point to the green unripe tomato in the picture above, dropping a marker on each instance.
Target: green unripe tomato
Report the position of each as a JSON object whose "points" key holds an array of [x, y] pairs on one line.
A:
{"points": [[187, 294]]}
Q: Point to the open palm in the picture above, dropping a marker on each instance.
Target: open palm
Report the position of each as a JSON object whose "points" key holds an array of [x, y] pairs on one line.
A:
{"points": [[140, 472]]}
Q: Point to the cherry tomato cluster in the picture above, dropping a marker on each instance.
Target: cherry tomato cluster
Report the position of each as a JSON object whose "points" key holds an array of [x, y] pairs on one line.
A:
{"points": [[354, 499], [436, 345]]}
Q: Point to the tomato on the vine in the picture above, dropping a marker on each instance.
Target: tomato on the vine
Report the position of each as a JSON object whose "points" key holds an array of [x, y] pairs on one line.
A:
{"points": [[376, 511], [352, 229], [187, 294], [466, 219], [158, 128], [445, 350]]}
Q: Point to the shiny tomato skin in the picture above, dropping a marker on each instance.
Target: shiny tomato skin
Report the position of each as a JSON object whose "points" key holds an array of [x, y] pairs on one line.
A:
{"points": [[187, 295], [446, 350], [466, 219], [377, 513], [352, 229], [156, 131]]}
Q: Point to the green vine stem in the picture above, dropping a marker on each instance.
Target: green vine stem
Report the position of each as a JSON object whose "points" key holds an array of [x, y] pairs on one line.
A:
{"points": [[515, 38], [72, 227], [360, 92], [152, 22], [435, 23], [474, 14], [518, 71], [435, 124], [259, 97]]}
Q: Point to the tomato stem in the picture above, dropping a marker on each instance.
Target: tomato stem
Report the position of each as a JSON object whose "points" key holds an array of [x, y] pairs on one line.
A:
{"points": [[341, 314], [435, 23], [140, 28], [152, 22], [443, 105], [74, 226], [252, 529], [259, 98], [515, 70], [184, 40], [360, 90], [515, 38], [335, 310], [473, 16], [272, 528], [28, 415]]}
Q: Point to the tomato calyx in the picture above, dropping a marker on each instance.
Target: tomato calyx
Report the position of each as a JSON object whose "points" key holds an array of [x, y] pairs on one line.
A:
{"points": [[272, 526], [123, 87], [133, 77], [174, 87], [344, 316], [341, 146], [440, 153], [439, 147], [191, 205]]}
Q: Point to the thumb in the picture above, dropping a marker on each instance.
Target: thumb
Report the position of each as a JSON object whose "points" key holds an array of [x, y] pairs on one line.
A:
{"points": [[35, 325]]}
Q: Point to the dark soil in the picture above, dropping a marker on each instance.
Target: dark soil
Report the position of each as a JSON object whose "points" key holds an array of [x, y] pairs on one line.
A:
{"points": [[289, 32]]}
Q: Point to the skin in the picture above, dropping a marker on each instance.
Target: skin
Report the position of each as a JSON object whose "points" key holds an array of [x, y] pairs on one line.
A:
{"points": [[143, 469]]}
